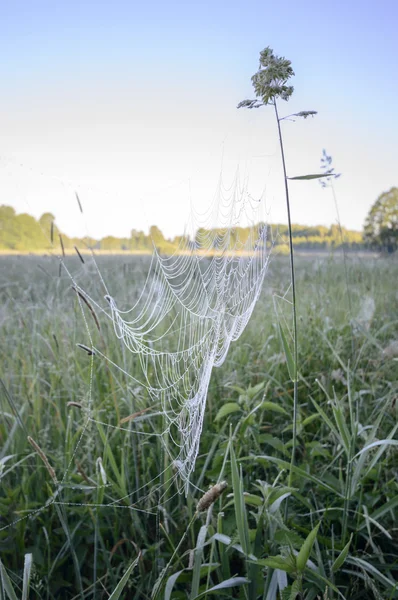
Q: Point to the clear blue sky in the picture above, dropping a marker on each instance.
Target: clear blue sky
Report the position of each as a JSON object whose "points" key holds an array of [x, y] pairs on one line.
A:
{"points": [[131, 97]]}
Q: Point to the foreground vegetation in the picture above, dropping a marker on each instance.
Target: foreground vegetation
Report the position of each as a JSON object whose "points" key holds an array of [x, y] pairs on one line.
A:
{"points": [[326, 529]]}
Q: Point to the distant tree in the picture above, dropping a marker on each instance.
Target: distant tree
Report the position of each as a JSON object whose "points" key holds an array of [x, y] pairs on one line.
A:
{"points": [[45, 221], [29, 233], [9, 235], [139, 241], [381, 225], [110, 243], [181, 241], [158, 240], [124, 244], [156, 235]]}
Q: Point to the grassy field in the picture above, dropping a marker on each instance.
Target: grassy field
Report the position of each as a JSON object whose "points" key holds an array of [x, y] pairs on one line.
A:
{"points": [[258, 532]]}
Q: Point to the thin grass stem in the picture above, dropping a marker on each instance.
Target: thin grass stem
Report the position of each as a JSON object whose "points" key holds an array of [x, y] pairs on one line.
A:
{"points": [[292, 275]]}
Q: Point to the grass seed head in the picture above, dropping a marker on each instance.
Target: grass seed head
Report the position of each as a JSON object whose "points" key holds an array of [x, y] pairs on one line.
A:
{"points": [[76, 404], [44, 458], [89, 351], [211, 496]]}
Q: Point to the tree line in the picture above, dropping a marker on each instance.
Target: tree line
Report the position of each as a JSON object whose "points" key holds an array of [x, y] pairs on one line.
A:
{"points": [[24, 233]]}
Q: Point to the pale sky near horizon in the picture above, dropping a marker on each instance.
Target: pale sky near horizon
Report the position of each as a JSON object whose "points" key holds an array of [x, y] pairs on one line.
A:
{"points": [[134, 106]]}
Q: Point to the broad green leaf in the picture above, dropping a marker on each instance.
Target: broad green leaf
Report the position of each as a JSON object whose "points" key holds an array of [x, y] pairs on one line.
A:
{"points": [[228, 583], [238, 389], [253, 391], [309, 420], [276, 562], [277, 492], [291, 365], [288, 538], [340, 560], [275, 505], [307, 177], [292, 591], [227, 409], [267, 438], [252, 499], [272, 406], [305, 550], [122, 583]]}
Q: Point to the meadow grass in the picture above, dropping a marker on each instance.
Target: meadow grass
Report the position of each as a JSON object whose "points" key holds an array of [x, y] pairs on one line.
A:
{"points": [[339, 536]]}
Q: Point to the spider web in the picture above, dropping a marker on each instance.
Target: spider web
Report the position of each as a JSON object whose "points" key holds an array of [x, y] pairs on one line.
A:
{"points": [[176, 329], [191, 307]]}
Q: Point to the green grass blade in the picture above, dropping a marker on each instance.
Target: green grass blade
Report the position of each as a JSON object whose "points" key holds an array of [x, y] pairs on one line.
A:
{"points": [[227, 409], [240, 507], [228, 583], [26, 576], [122, 583], [198, 555], [170, 584], [6, 583], [342, 427], [340, 560], [389, 506], [305, 550], [291, 365], [308, 177], [371, 569], [377, 443], [324, 416], [303, 474]]}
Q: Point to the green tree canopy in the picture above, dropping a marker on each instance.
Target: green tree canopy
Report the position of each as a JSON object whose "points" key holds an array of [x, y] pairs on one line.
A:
{"points": [[46, 219], [381, 225], [156, 235], [23, 233]]}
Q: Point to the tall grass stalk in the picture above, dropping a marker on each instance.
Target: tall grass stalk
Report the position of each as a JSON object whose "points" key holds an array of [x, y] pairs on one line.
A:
{"points": [[270, 84], [294, 306]]}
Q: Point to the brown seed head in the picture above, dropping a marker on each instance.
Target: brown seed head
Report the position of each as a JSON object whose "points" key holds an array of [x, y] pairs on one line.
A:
{"points": [[44, 458], [76, 404], [211, 496]]}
